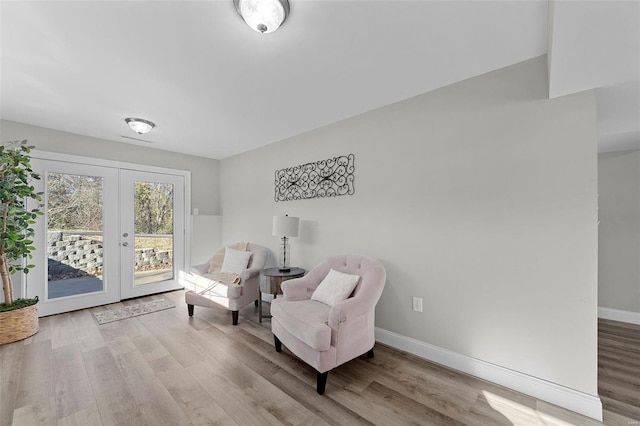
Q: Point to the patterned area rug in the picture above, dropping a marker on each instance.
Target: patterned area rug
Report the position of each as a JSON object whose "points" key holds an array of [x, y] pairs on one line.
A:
{"points": [[105, 317]]}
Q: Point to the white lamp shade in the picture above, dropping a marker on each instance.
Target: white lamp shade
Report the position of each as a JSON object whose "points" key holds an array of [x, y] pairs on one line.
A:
{"points": [[285, 226], [263, 16]]}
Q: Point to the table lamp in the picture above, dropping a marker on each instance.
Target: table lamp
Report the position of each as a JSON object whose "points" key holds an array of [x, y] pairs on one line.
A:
{"points": [[285, 227]]}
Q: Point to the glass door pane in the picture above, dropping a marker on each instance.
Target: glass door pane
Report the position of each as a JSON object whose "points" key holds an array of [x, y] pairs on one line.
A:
{"points": [[153, 224], [74, 234]]}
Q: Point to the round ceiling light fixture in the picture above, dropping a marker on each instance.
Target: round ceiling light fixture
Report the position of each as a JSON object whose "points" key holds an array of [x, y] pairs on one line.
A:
{"points": [[139, 125], [263, 16]]}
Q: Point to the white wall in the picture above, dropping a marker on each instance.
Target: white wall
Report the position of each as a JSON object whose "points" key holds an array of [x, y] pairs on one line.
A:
{"points": [[619, 231], [206, 237], [479, 197], [205, 172]]}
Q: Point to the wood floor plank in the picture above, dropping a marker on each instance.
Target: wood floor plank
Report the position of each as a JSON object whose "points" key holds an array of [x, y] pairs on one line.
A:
{"points": [[289, 363], [551, 414], [10, 365], [619, 368], [174, 337], [39, 413], [150, 347], [285, 408], [88, 416], [35, 379], [510, 412], [403, 409], [618, 325], [385, 408], [155, 403], [86, 329], [240, 407], [116, 330], [115, 400], [614, 357], [73, 392], [619, 335], [194, 401], [426, 387], [626, 346], [618, 375], [44, 330], [331, 411], [629, 394], [418, 377], [62, 330], [618, 407]]}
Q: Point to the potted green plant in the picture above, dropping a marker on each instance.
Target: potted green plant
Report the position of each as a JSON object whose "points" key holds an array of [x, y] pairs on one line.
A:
{"points": [[18, 317]]}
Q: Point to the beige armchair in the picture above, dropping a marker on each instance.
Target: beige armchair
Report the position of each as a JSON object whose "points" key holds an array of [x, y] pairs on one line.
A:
{"points": [[207, 286], [327, 336]]}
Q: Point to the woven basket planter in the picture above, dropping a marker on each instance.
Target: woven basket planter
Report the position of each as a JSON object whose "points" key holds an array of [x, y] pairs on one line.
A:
{"points": [[18, 324]]}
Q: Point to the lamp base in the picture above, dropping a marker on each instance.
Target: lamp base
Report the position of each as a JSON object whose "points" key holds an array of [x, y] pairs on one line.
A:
{"points": [[283, 261]]}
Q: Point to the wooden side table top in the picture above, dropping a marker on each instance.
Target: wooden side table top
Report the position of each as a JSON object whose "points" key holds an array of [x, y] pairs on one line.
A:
{"points": [[275, 272]]}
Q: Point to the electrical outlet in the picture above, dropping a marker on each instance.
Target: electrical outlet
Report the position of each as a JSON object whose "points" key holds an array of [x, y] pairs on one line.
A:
{"points": [[195, 212], [417, 304]]}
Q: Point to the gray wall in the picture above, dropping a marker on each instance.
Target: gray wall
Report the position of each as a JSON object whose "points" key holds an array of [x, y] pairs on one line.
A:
{"points": [[479, 197], [619, 231], [205, 172]]}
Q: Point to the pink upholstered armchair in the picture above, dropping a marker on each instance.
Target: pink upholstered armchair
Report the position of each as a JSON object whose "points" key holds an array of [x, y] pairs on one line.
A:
{"points": [[327, 336], [232, 291]]}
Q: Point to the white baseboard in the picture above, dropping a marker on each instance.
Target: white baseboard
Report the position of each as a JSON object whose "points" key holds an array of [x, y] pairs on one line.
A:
{"points": [[580, 402], [618, 315]]}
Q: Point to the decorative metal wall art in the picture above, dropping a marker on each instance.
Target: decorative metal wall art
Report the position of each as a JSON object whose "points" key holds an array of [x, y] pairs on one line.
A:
{"points": [[325, 178]]}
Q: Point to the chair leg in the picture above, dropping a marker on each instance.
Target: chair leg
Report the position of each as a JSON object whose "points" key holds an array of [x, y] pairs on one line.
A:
{"points": [[322, 382], [278, 343], [234, 317], [190, 309], [370, 353]]}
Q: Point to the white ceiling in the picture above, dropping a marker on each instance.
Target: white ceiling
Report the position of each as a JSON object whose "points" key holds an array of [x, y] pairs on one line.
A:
{"points": [[216, 88]]}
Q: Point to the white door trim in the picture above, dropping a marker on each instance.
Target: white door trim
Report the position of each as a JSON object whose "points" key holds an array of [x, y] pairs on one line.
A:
{"points": [[69, 158]]}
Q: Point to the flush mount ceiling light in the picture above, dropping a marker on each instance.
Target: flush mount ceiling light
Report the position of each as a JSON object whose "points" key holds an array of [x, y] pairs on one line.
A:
{"points": [[139, 125], [263, 16]]}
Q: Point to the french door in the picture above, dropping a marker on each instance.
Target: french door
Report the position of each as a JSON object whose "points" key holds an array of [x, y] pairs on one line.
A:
{"points": [[151, 232], [107, 234]]}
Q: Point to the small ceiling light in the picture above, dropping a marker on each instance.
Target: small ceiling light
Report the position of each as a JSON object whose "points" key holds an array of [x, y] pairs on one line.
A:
{"points": [[139, 125], [263, 16]]}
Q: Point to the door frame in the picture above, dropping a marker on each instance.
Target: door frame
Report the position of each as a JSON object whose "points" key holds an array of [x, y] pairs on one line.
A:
{"points": [[23, 286]]}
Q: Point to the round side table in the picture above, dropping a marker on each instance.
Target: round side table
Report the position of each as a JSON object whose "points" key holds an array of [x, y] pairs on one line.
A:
{"points": [[271, 285]]}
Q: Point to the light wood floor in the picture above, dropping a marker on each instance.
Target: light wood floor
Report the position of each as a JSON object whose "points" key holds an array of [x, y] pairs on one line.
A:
{"points": [[164, 369], [619, 367]]}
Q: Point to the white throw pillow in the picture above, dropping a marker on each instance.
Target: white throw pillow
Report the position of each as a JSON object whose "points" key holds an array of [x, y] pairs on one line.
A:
{"points": [[335, 287], [235, 261]]}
